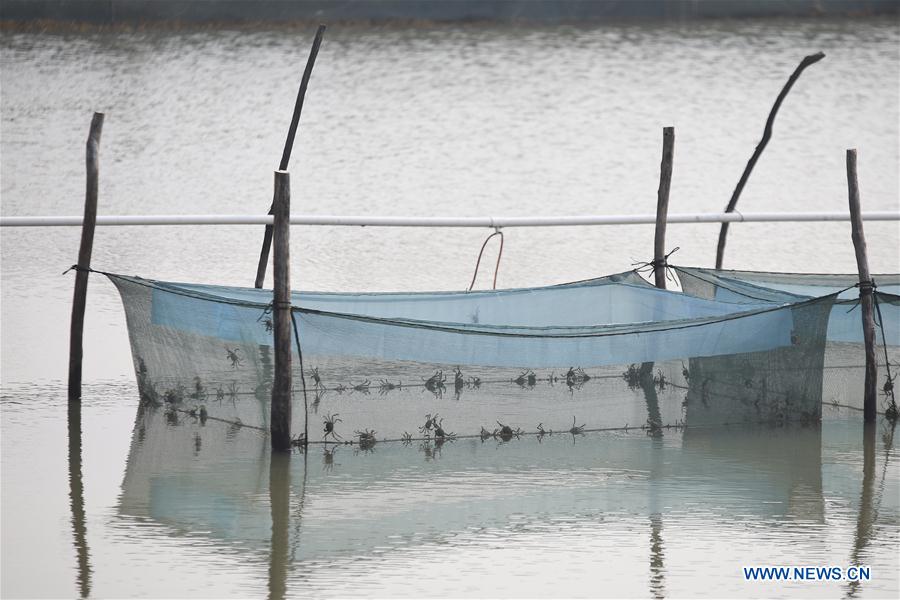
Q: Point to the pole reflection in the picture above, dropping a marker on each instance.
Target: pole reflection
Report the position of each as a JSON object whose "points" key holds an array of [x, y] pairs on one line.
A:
{"points": [[76, 500], [280, 503], [868, 510]]}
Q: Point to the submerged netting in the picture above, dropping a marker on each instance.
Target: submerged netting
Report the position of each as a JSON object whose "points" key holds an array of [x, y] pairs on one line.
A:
{"points": [[605, 353]]}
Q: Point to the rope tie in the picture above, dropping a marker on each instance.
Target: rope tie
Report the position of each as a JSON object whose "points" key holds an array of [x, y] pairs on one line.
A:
{"points": [[888, 388], [655, 264], [865, 288], [481, 252], [82, 269]]}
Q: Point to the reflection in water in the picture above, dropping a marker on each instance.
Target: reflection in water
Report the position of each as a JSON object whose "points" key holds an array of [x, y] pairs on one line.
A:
{"points": [[76, 499], [657, 564], [868, 511], [648, 385], [392, 505], [280, 502]]}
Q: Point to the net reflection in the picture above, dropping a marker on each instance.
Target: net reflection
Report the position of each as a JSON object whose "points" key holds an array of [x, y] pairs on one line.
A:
{"points": [[341, 501]]}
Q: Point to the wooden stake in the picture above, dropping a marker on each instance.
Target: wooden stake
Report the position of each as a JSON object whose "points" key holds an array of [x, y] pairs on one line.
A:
{"points": [[79, 299], [866, 291], [280, 422], [288, 148], [662, 206], [767, 133]]}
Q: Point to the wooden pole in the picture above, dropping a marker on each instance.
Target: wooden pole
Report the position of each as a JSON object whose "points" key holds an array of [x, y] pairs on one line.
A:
{"points": [[767, 133], [280, 422], [662, 206], [866, 291], [288, 148], [79, 299]]}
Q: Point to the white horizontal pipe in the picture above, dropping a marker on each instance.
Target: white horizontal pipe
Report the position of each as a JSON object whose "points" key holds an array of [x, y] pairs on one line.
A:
{"points": [[363, 221]]}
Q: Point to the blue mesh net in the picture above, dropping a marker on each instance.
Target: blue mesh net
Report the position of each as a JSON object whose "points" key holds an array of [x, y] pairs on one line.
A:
{"points": [[606, 353]]}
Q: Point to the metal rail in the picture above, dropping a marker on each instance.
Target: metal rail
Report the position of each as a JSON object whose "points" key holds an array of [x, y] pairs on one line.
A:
{"points": [[490, 222]]}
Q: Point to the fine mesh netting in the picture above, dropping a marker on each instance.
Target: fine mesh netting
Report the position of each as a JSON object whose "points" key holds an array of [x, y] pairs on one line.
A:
{"points": [[606, 353], [843, 375], [754, 287]]}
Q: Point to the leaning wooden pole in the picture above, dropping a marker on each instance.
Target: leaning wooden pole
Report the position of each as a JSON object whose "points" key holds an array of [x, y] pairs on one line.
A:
{"points": [[866, 290], [79, 299], [288, 148], [662, 207], [280, 421], [767, 133]]}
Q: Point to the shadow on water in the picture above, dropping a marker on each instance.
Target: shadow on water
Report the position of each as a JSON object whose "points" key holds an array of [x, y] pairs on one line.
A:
{"points": [[76, 499]]}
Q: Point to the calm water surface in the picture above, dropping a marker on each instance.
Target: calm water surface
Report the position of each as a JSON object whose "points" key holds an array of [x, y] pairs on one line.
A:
{"points": [[429, 121]]}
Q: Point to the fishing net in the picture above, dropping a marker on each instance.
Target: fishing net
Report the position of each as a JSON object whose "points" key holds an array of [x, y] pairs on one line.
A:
{"points": [[844, 355], [606, 353]]}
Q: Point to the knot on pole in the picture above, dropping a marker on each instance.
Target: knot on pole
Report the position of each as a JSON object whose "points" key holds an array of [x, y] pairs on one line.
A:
{"points": [[866, 287], [656, 264], [80, 268]]}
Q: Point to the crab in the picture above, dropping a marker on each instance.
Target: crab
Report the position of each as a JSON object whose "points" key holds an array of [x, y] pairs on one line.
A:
{"points": [[362, 387], [435, 383], [685, 372], [576, 430], [527, 378], [203, 414], [485, 434], [299, 441], [233, 391], [506, 432], [317, 381], [406, 438], [366, 438], [171, 397], [329, 422], [234, 357], [576, 377], [340, 389], [474, 382], [171, 416], [632, 376], [542, 432], [458, 381], [888, 388], [440, 435], [268, 324], [199, 392], [660, 380], [220, 394], [430, 423], [387, 386], [553, 378]]}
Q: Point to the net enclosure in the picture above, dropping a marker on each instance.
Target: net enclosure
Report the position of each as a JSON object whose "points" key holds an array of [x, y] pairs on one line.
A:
{"points": [[606, 353]]}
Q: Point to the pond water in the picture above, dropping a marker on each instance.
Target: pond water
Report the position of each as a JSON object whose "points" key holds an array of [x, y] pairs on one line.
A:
{"points": [[471, 120]]}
